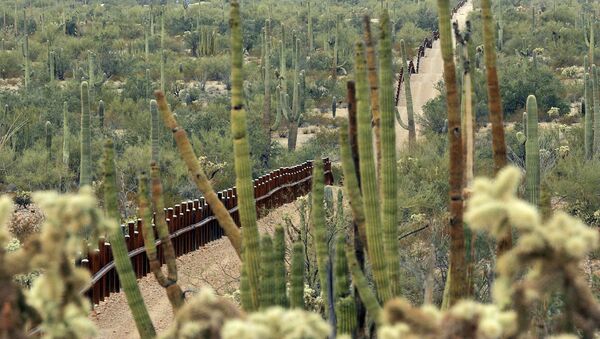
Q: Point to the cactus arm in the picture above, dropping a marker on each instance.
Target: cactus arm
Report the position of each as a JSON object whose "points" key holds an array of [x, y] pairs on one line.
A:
{"points": [[399, 119], [198, 175], [369, 181], [410, 113], [85, 176], [458, 287], [119, 249], [318, 226], [373, 86], [388, 188], [532, 153], [351, 184], [280, 297], [297, 276], [241, 151], [267, 278], [285, 109]]}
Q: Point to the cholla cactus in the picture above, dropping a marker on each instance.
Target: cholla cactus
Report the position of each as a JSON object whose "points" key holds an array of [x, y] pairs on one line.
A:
{"points": [[277, 323]]}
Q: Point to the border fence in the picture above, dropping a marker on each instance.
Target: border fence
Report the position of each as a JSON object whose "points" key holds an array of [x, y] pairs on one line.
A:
{"points": [[192, 225]]}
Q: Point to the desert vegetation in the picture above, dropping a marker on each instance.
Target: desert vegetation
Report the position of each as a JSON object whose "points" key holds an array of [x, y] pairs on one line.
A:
{"points": [[450, 151]]}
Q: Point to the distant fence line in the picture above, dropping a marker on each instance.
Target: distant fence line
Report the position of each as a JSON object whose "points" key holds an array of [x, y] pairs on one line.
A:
{"points": [[192, 225], [427, 43]]}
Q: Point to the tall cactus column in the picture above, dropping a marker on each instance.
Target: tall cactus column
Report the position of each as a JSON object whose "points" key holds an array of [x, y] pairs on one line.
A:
{"points": [[596, 97], [457, 287], [85, 173], [66, 135], [532, 153], [243, 170], [589, 117], [267, 99]]}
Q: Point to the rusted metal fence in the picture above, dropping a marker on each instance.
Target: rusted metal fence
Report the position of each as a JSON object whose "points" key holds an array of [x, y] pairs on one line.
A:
{"points": [[427, 43], [192, 225]]}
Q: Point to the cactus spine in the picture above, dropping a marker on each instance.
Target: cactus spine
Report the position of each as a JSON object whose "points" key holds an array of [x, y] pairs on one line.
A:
{"points": [[243, 171], [267, 278], [369, 181], [410, 112], [532, 153], [457, 278], [66, 135], [85, 173], [279, 272], [297, 276], [154, 129], [119, 248]]}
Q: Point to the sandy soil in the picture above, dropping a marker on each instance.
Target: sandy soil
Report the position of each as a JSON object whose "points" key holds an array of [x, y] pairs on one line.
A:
{"points": [[215, 265], [422, 84]]}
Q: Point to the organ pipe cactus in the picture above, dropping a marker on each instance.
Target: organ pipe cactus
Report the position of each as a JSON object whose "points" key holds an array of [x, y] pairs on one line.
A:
{"points": [[85, 173], [319, 230], [374, 87], [369, 181], [267, 278], [388, 187], [267, 83], [279, 272], [345, 307], [596, 95], [297, 276], [169, 282], [119, 249], [410, 112], [589, 117], [589, 38], [241, 151], [457, 276]]}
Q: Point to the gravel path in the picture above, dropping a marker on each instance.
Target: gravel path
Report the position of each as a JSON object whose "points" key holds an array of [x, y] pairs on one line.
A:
{"points": [[215, 265]]}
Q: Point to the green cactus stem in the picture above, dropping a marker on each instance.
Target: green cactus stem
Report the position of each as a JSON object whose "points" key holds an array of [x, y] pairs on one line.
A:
{"points": [[351, 186], [494, 107], [589, 117], [154, 130], [532, 153], [589, 38], [241, 151], [369, 181], [101, 114], [198, 176], [48, 130], [52, 64], [596, 95], [410, 112], [345, 307], [457, 287], [85, 173], [66, 136], [297, 276], [319, 229], [174, 292], [119, 249], [374, 87], [279, 272], [267, 278], [388, 187], [267, 99]]}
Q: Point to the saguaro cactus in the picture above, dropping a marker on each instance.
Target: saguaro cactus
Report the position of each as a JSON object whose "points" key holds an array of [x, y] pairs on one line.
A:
{"points": [[589, 117], [297, 276], [154, 130], [101, 115], [279, 272], [345, 308], [589, 38], [85, 173], [66, 135], [310, 29], [319, 229], [596, 95], [373, 86], [410, 112], [241, 151], [119, 249], [532, 151], [267, 278], [267, 83], [48, 130]]}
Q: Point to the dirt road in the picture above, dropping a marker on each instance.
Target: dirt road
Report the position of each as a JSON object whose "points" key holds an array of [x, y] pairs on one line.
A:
{"points": [[422, 84]]}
